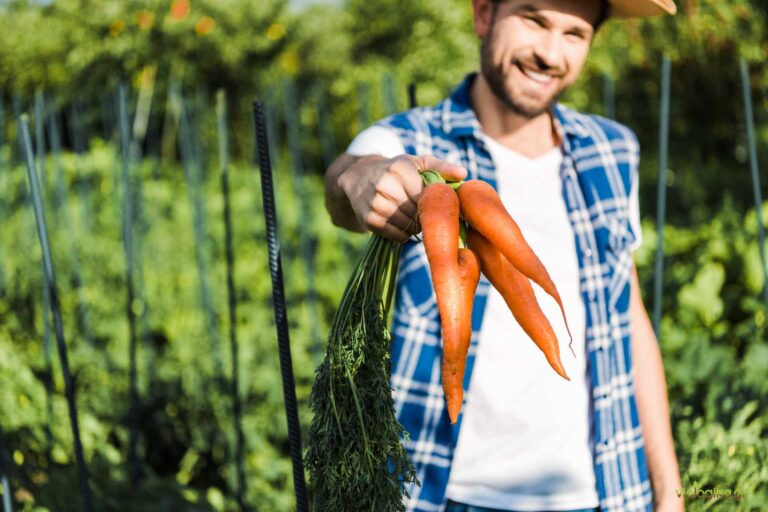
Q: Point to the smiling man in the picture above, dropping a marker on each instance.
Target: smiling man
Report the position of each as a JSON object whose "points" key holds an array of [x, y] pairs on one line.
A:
{"points": [[526, 440]]}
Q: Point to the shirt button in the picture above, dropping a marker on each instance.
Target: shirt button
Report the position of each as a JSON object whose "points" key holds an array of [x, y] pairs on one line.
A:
{"points": [[588, 252]]}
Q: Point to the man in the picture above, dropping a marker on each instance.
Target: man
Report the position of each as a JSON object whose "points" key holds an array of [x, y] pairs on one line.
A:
{"points": [[527, 440]]}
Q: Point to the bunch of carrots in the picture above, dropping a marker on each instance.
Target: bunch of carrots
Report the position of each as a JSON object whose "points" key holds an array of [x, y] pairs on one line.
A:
{"points": [[492, 244], [355, 457]]}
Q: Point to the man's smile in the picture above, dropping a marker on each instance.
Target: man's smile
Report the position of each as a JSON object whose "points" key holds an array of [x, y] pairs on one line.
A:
{"points": [[537, 76]]}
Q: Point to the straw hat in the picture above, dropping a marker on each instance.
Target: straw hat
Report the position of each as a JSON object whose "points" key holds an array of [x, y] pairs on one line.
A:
{"points": [[641, 8]]}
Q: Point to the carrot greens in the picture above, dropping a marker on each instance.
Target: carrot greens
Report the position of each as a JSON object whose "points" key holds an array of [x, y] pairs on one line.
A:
{"points": [[354, 453]]}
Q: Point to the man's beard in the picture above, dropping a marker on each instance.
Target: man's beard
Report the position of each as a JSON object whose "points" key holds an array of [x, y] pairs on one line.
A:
{"points": [[494, 75]]}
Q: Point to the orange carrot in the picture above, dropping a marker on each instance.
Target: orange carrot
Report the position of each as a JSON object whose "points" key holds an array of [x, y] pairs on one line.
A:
{"points": [[469, 267], [439, 218], [518, 293], [483, 209]]}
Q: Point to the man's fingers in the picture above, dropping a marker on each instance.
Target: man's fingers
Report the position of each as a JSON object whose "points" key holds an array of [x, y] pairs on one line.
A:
{"points": [[384, 208], [407, 170], [407, 167], [381, 226], [449, 171], [392, 187]]}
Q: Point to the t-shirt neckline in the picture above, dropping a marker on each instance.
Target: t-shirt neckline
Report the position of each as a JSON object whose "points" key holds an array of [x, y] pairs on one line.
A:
{"points": [[553, 153]]}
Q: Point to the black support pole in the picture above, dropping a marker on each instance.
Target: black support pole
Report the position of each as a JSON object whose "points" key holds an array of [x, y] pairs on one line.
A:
{"points": [[307, 244], [2, 130], [281, 317], [4, 470], [125, 143], [2, 169], [50, 283], [192, 164], [363, 105], [661, 207], [388, 93], [63, 211], [754, 168], [412, 103], [40, 140], [78, 137], [325, 131], [221, 115], [48, 371]]}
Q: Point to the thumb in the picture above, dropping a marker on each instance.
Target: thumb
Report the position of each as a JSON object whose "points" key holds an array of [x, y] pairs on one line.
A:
{"points": [[449, 171]]}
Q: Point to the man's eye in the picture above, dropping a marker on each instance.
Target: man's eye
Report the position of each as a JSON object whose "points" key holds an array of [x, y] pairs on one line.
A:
{"points": [[576, 35], [533, 21]]}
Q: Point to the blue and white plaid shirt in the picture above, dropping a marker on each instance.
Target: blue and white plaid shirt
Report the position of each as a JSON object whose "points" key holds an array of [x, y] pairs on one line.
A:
{"points": [[599, 166]]}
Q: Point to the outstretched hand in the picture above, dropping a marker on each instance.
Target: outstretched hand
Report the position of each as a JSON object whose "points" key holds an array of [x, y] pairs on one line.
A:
{"points": [[383, 193]]}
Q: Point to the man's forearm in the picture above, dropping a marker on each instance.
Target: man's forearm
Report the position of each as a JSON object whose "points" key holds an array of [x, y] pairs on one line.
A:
{"points": [[653, 407]]}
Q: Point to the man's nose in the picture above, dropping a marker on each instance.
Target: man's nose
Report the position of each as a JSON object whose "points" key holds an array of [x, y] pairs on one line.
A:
{"points": [[548, 50]]}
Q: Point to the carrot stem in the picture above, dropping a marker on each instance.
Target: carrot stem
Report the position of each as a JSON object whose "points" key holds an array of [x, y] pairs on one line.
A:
{"points": [[429, 177]]}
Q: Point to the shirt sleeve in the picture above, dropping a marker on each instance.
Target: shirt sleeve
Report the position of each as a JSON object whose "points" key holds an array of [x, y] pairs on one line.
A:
{"points": [[634, 215], [376, 140]]}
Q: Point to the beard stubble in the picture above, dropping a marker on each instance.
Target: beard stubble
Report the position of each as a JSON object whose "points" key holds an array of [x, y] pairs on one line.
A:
{"points": [[496, 79]]}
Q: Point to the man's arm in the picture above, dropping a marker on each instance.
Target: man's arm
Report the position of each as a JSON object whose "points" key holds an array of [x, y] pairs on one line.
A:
{"points": [[653, 406], [380, 194]]}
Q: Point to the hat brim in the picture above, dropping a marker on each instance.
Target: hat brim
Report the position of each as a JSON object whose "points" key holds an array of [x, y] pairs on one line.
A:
{"points": [[641, 8]]}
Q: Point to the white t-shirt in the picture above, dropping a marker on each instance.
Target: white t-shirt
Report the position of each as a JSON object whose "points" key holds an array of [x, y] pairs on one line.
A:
{"points": [[525, 439]]}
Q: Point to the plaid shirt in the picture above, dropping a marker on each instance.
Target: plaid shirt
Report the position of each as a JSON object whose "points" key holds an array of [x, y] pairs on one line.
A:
{"points": [[600, 163]]}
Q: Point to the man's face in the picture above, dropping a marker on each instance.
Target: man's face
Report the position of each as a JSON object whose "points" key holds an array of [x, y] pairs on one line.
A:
{"points": [[533, 50]]}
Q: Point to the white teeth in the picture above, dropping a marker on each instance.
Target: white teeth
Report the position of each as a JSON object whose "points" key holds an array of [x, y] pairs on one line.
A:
{"points": [[537, 77]]}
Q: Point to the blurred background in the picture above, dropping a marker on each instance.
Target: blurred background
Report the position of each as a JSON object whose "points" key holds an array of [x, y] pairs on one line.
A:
{"points": [[129, 102]]}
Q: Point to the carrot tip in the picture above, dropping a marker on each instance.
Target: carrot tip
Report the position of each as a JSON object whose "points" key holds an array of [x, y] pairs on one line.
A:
{"points": [[558, 367], [453, 412], [453, 403]]}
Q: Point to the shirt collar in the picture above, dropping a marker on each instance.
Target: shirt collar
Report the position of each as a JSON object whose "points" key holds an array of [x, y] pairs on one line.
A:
{"points": [[459, 120]]}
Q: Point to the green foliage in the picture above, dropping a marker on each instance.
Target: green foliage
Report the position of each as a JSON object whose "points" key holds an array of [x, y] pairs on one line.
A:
{"points": [[80, 45], [345, 50], [715, 354], [186, 427]]}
